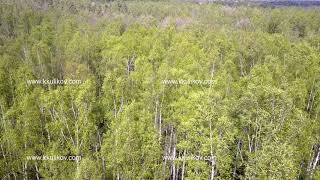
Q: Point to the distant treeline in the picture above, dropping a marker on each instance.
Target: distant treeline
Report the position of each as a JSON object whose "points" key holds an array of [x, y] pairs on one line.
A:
{"points": [[169, 91], [289, 3], [265, 3]]}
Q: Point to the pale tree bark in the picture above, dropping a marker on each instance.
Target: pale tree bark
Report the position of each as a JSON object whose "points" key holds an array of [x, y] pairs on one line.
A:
{"points": [[173, 145], [177, 172], [114, 103], [312, 95], [250, 145], [102, 158], [25, 164], [37, 172], [211, 153], [25, 167], [173, 171], [212, 174], [242, 72], [183, 165], [160, 122], [314, 160], [3, 154], [239, 153], [156, 113]]}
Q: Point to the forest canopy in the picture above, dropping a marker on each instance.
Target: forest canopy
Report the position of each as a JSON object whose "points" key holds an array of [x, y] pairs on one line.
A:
{"points": [[158, 90]]}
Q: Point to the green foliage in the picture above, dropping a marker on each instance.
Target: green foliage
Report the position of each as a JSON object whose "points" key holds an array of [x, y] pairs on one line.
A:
{"points": [[258, 118]]}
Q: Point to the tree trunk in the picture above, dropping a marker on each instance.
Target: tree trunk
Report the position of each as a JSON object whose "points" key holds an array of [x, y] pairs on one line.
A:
{"points": [[183, 164], [211, 153], [37, 172]]}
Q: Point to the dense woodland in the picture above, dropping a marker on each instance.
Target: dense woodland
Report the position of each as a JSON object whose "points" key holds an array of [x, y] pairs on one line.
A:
{"points": [[258, 120]]}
